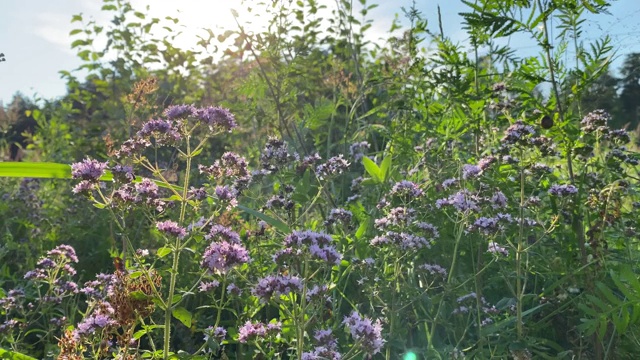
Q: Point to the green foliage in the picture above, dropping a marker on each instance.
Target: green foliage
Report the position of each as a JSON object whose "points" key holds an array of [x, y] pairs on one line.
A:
{"points": [[526, 271]]}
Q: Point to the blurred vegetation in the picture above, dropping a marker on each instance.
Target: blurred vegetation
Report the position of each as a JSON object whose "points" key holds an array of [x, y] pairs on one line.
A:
{"points": [[418, 98]]}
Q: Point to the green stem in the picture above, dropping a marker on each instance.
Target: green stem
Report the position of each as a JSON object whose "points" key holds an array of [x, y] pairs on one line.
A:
{"points": [[176, 256]]}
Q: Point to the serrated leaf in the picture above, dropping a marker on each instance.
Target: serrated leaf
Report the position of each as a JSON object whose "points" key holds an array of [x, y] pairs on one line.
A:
{"points": [[183, 315], [12, 355]]}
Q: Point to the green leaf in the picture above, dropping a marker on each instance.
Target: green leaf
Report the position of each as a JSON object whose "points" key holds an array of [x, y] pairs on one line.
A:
{"points": [[268, 219], [183, 315], [12, 355], [35, 170], [373, 169], [385, 167], [138, 295], [164, 251]]}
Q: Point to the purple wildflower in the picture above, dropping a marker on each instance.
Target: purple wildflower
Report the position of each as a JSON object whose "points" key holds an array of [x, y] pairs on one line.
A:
{"points": [[123, 174], [197, 193], [339, 215], [470, 171], [434, 269], [518, 133], [276, 285], [171, 228], [275, 155], [250, 331], [132, 146], [88, 169], [217, 117], [494, 248], [233, 289], [596, 120], [486, 162], [462, 200], [365, 332], [226, 194], [220, 232], [406, 189], [208, 286], [334, 166], [357, 150], [164, 131], [563, 190], [147, 188], [218, 334], [177, 112], [307, 162], [222, 256]]}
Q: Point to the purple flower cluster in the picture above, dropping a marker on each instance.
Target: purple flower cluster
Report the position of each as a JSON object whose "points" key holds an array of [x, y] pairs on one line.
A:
{"points": [[449, 182], [88, 169], [357, 150], [90, 172], [257, 330], [434, 269], [100, 319], [227, 195], [123, 173], [318, 292], [494, 248], [486, 162], [365, 332], [216, 118], [462, 201], [518, 132], [229, 165], [145, 191], [308, 162], [429, 228], [403, 240], [276, 285], [165, 132], [218, 334], [132, 146], [596, 120], [326, 347], [179, 112], [208, 285], [334, 166], [100, 288], [399, 216], [319, 246], [56, 264], [222, 233], [563, 190], [406, 189], [471, 171], [498, 200], [275, 155], [12, 300], [222, 256], [339, 215], [171, 228]]}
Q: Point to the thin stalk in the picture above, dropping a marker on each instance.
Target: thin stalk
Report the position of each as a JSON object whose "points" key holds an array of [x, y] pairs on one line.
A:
{"points": [[519, 251], [176, 256], [432, 332]]}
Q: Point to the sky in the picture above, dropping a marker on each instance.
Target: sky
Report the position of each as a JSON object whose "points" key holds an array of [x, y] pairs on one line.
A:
{"points": [[34, 34]]}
